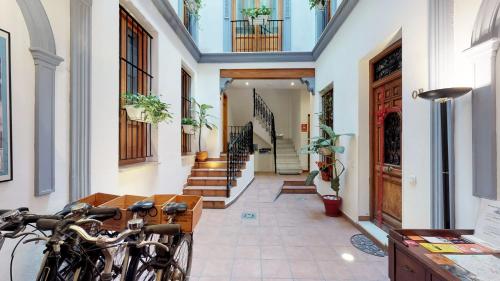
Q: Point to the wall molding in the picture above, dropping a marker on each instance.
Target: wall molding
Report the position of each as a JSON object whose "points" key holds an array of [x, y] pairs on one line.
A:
{"points": [[43, 50], [81, 49], [170, 16], [487, 23]]}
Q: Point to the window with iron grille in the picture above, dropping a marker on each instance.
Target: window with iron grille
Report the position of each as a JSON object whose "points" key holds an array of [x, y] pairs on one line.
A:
{"points": [[186, 111], [136, 78], [327, 118]]}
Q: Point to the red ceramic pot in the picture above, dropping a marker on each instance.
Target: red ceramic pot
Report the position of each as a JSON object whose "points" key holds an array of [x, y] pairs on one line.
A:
{"points": [[325, 175], [332, 205]]}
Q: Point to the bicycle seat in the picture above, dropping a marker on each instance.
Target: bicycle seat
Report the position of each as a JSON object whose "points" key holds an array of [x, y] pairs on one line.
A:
{"points": [[174, 208], [141, 206]]}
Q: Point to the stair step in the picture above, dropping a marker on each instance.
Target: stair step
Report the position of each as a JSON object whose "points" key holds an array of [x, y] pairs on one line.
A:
{"points": [[217, 172], [298, 189], [210, 164], [210, 202], [200, 181], [207, 190], [289, 171]]}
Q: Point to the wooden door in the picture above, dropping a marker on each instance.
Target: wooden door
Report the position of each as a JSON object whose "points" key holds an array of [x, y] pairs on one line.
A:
{"points": [[386, 143], [224, 123]]}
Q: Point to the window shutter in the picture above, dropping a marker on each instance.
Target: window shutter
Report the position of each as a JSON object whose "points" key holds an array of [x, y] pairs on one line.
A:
{"points": [[320, 22], [287, 25], [227, 24]]}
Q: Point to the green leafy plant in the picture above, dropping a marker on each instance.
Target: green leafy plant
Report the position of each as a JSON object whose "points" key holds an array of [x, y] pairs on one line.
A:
{"points": [[329, 142], [194, 7], [155, 111], [316, 3], [202, 118], [189, 121], [253, 13]]}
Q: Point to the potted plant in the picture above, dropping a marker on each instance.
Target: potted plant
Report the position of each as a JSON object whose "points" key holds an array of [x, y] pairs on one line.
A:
{"points": [[325, 169], [257, 16], [332, 202], [193, 7], [147, 109], [318, 4], [188, 125], [202, 121]]}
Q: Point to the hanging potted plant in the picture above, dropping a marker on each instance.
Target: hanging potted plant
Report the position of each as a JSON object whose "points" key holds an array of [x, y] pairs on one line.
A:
{"points": [[318, 4], [202, 121], [263, 14], [188, 125], [193, 7], [332, 202], [250, 15], [257, 16], [147, 109]]}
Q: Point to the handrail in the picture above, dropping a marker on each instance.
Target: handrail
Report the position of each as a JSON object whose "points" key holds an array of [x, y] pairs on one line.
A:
{"points": [[262, 112], [239, 147]]}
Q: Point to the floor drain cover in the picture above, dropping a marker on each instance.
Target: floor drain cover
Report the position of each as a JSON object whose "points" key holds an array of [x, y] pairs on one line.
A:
{"points": [[248, 215], [366, 245]]}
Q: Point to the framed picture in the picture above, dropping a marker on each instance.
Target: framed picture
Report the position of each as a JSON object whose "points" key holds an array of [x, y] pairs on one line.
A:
{"points": [[5, 108]]}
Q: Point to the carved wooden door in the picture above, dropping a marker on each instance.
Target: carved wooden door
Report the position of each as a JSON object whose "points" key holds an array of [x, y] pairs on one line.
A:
{"points": [[387, 151]]}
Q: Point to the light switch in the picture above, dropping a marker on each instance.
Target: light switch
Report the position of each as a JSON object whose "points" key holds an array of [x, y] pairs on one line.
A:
{"points": [[412, 179]]}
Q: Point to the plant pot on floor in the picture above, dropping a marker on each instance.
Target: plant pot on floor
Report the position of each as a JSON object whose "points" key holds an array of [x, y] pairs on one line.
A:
{"points": [[201, 156], [332, 205]]}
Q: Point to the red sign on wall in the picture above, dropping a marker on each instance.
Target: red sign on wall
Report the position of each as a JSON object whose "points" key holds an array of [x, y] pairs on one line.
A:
{"points": [[303, 128]]}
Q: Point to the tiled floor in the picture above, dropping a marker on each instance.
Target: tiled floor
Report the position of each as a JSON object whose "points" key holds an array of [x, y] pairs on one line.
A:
{"points": [[288, 240]]}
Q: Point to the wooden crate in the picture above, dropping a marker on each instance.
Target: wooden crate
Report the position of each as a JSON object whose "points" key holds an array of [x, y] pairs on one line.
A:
{"points": [[160, 200], [190, 218], [121, 202], [98, 199]]}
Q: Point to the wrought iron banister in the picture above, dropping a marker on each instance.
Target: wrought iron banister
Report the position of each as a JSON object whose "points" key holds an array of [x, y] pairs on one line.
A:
{"points": [[257, 36], [239, 148], [262, 112]]}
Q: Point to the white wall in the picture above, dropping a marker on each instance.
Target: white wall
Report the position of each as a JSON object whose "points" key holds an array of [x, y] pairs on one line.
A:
{"points": [[345, 63], [465, 13], [20, 191], [300, 109], [161, 174]]}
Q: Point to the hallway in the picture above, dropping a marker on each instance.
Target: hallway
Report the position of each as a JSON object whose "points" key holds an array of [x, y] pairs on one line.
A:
{"points": [[290, 239]]}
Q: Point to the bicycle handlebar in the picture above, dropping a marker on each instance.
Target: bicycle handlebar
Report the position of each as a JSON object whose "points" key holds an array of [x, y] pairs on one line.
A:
{"points": [[102, 240]]}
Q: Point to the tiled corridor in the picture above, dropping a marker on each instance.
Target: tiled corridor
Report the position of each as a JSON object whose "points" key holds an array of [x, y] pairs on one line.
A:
{"points": [[287, 240]]}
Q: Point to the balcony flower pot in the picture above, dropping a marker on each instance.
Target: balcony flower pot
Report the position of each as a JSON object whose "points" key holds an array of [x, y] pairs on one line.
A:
{"points": [[188, 129], [332, 205], [201, 156], [136, 113]]}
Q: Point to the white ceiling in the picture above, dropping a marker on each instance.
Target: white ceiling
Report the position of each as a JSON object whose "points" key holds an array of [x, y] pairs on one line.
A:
{"points": [[268, 84]]}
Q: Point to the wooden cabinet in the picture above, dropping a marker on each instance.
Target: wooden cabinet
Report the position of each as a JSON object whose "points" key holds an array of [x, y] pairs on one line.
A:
{"points": [[410, 263]]}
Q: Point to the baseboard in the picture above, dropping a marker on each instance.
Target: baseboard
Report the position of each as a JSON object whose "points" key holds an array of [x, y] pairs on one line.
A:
{"points": [[239, 194], [363, 218]]}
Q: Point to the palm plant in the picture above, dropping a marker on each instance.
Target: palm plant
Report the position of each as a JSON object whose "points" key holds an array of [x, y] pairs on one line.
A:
{"points": [[203, 118], [327, 145]]}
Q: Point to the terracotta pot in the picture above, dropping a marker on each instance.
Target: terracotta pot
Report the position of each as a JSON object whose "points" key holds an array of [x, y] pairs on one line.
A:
{"points": [[201, 156], [325, 175], [332, 205]]}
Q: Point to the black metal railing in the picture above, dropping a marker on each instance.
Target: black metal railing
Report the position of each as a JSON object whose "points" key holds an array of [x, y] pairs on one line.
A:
{"points": [[234, 131], [262, 112], [239, 148], [257, 35]]}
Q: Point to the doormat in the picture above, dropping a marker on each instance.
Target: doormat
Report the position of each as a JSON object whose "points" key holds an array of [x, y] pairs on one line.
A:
{"points": [[363, 243], [248, 215]]}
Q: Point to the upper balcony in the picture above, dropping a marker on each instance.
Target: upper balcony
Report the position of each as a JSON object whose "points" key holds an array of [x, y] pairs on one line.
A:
{"points": [[226, 26]]}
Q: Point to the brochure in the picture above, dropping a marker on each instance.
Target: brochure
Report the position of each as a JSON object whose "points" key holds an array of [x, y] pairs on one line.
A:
{"points": [[483, 267], [487, 231], [473, 249], [441, 248]]}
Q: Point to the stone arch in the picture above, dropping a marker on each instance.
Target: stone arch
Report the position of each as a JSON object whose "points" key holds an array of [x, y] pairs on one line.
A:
{"points": [[43, 50], [487, 23]]}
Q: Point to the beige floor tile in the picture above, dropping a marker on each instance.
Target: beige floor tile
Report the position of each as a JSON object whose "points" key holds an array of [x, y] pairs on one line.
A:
{"points": [[247, 252], [218, 268], [305, 269], [276, 269], [273, 252], [246, 269]]}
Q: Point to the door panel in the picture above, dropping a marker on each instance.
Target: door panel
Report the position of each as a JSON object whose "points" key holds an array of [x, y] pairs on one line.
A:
{"points": [[387, 152]]}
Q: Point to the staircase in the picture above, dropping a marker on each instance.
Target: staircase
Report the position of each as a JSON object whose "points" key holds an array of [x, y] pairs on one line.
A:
{"points": [[221, 180], [287, 160]]}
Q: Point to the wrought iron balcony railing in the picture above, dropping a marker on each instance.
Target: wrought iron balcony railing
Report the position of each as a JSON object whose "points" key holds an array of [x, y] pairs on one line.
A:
{"points": [[257, 36]]}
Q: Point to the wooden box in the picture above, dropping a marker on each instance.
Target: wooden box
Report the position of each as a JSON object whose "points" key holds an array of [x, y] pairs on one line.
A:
{"points": [[121, 202], [191, 217], [98, 199], [159, 200]]}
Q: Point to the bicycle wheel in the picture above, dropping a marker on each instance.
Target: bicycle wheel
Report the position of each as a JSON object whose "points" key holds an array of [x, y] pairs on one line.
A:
{"points": [[180, 266]]}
